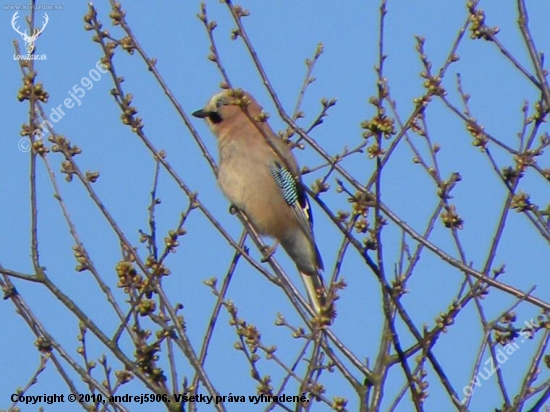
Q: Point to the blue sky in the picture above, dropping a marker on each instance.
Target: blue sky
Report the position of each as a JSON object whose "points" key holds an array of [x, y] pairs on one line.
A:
{"points": [[284, 33]]}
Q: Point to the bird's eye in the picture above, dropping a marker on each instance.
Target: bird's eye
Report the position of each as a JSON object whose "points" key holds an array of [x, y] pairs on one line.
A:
{"points": [[219, 103]]}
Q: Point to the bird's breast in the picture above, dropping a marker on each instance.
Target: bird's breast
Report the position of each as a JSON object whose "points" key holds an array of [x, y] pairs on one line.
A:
{"points": [[250, 187]]}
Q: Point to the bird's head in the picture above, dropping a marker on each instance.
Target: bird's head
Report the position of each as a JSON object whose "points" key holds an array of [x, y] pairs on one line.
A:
{"points": [[228, 106]]}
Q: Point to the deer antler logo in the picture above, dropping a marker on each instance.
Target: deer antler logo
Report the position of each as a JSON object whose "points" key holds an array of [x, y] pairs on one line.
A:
{"points": [[29, 40]]}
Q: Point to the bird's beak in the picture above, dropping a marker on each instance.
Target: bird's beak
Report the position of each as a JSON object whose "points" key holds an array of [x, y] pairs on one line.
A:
{"points": [[201, 113]]}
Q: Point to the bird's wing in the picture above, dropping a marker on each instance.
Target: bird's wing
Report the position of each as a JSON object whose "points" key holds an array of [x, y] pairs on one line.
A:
{"points": [[294, 195]]}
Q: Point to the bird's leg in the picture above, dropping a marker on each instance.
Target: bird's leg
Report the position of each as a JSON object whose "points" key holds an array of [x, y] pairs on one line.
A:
{"points": [[269, 250]]}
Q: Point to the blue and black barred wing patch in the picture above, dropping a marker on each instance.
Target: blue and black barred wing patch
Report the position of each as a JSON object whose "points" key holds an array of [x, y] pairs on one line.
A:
{"points": [[293, 194], [285, 181]]}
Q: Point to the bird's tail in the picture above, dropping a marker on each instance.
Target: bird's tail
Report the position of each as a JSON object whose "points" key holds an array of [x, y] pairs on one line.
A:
{"points": [[315, 290], [302, 250]]}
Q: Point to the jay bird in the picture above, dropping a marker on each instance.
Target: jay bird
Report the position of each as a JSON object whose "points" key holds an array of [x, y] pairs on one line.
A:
{"points": [[263, 180]]}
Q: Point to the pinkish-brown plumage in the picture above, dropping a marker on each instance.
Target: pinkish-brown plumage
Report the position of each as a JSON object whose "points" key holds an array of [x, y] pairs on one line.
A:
{"points": [[246, 176]]}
